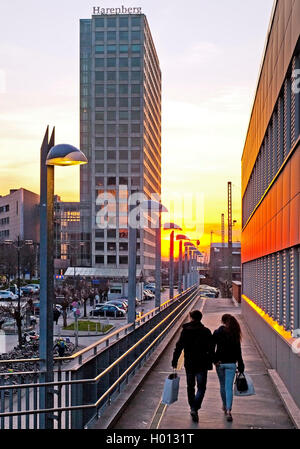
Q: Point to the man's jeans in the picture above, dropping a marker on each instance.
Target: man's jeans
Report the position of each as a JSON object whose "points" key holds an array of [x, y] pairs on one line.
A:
{"points": [[195, 401], [226, 373]]}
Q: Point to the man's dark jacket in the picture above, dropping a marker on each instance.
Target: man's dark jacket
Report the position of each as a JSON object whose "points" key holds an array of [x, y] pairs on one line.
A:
{"points": [[197, 342]]}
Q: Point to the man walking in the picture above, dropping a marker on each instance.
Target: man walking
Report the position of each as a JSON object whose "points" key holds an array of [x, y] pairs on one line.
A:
{"points": [[197, 343]]}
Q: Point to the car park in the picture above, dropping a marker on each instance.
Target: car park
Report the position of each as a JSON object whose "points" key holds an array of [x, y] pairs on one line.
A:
{"points": [[148, 295], [6, 294], [121, 304], [108, 310]]}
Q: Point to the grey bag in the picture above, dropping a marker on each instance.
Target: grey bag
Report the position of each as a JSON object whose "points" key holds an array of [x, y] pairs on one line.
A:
{"points": [[171, 388], [250, 390]]}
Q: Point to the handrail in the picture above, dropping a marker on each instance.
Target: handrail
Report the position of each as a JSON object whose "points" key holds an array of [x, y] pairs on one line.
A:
{"points": [[94, 405], [98, 342]]}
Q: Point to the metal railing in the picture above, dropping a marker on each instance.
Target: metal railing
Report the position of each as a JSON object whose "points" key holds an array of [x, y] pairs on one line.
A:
{"points": [[82, 392]]}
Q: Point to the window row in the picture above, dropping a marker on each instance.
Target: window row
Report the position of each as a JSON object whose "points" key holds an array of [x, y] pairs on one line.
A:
{"points": [[112, 260], [281, 134], [113, 168], [122, 128], [112, 233], [4, 221], [111, 89], [122, 61], [123, 142], [114, 181], [113, 22], [121, 35], [272, 283], [111, 49], [4, 208], [122, 115], [117, 76], [111, 102], [134, 155], [4, 234]]}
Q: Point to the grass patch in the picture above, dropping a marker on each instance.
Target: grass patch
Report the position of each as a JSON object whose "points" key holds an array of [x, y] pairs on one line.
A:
{"points": [[89, 326]]}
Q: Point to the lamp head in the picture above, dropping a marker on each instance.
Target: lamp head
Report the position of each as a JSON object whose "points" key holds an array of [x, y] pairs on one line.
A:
{"points": [[182, 237], [64, 155]]}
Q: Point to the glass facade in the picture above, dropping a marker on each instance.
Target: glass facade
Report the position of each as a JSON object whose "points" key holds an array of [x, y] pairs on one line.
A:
{"points": [[120, 131]]}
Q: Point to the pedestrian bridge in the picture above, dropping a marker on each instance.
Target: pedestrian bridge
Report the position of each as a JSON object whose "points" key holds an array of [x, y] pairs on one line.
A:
{"points": [[117, 382]]}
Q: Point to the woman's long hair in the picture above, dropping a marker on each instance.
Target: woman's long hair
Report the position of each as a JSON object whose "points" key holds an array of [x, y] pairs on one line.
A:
{"points": [[232, 327]]}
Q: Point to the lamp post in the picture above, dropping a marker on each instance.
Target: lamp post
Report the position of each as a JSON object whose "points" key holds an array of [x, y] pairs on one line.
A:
{"points": [[187, 263], [18, 247], [158, 207], [180, 237], [171, 257], [62, 155]]}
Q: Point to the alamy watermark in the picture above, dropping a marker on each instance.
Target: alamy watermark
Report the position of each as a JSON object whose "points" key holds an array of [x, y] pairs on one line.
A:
{"points": [[3, 342], [296, 81]]}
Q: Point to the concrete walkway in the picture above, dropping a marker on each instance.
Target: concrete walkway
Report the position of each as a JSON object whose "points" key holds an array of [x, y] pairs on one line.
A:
{"points": [[262, 411]]}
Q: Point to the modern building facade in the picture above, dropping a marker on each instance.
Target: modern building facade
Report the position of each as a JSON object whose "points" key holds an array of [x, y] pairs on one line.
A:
{"points": [[120, 133], [271, 199], [219, 261], [19, 216]]}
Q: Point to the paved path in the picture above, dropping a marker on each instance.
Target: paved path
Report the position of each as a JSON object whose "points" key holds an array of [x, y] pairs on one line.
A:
{"points": [[264, 410]]}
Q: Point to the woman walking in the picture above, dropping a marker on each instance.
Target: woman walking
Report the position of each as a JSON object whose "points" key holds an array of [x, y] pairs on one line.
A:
{"points": [[227, 340]]}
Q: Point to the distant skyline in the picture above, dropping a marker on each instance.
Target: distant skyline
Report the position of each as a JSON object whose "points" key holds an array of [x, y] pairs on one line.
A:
{"points": [[210, 54]]}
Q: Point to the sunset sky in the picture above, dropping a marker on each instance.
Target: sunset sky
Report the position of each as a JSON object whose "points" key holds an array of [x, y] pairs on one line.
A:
{"points": [[210, 54]]}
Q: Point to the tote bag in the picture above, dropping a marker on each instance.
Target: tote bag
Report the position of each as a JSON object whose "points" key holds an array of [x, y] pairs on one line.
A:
{"points": [[250, 390], [170, 393]]}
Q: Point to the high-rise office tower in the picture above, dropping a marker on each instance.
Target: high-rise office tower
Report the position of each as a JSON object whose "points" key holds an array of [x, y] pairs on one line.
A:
{"points": [[120, 132]]}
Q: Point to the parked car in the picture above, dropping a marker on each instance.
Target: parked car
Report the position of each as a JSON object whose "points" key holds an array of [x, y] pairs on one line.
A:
{"points": [[27, 290], [148, 295], [35, 287], [121, 304], [6, 294], [125, 299], [108, 310], [150, 287], [14, 289]]}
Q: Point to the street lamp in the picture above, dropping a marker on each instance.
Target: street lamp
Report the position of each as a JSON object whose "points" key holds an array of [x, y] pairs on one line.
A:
{"points": [[51, 155], [18, 247], [171, 257], [156, 206], [180, 237]]}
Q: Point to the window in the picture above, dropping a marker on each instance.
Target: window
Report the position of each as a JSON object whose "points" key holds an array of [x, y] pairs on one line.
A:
{"points": [[111, 115], [99, 62], [123, 48], [123, 142], [123, 260], [135, 21], [111, 181], [111, 62], [135, 35], [99, 233], [136, 76], [123, 168], [135, 89], [135, 181], [111, 246], [99, 168], [99, 246], [138, 260], [135, 102], [99, 22], [111, 49], [135, 168], [99, 259], [111, 89], [135, 154], [111, 101], [111, 142], [99, 76], [111, 22], [99, 116], [99, 48], [99, 89], [123, 21], [123, 101], [111, 129], [135, 141], [123, 76], [111, 76], [111, 155], [135, 62], [135, 48], [123, 115], [123, 128], [135, 115], [123, 35], [99, 141], [111, 259], [99, 181], [135, 128], [123, 233], [111, 233], [123, 89], [99, 102], [123, 155], [99, 129], [99, 155], [111, 168], [111, 35], [99, 36], [123, 62]]}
